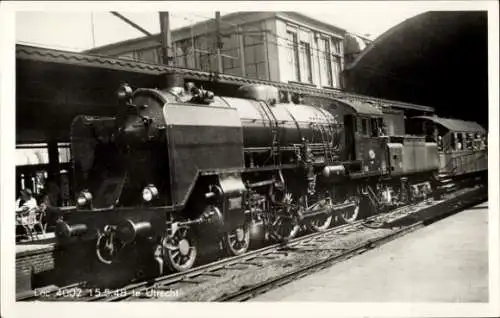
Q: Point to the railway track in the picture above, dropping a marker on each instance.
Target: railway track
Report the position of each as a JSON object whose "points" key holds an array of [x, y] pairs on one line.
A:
{"points": [[242, 277]]}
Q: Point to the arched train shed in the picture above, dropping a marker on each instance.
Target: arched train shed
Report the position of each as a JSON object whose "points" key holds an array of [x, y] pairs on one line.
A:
{"points": [[438, 59]]}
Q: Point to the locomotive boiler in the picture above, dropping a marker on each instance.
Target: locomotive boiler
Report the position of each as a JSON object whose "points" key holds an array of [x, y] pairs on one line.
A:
{"points": [[178, 168]]}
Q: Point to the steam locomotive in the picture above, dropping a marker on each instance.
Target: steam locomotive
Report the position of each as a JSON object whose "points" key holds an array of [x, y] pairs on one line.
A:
{"points": [[180, 167]]}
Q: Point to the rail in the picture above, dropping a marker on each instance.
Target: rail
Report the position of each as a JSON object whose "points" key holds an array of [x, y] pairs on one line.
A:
{"points": [[445, 208], [277, 263]]}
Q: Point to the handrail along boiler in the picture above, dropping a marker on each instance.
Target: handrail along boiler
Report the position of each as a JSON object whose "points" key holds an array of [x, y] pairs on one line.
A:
{"points": [[178, 168]]}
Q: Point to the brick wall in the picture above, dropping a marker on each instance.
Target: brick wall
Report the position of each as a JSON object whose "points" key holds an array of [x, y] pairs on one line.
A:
{"points": [[62, 265], [32, 263]]}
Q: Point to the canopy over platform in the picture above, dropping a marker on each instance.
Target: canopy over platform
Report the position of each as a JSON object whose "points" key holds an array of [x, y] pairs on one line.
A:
{"points": [[455, 125], [53, 86]]}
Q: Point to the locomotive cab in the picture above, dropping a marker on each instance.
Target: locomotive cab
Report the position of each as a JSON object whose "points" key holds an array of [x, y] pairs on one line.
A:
{"points": [[365, 137]]}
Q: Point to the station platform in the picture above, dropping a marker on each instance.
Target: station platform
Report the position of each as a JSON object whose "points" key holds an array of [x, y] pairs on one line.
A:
{"points": [[32, 258], [33, 248], [446, 261], [39, 237]]}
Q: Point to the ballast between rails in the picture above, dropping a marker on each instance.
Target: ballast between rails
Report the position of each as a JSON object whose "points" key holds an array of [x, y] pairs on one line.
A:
{"points": [[200, 270], [249, 292], [439, 209]]}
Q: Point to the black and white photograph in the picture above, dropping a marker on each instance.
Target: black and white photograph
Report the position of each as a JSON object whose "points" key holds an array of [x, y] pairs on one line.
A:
{"points": [[329, 158]]}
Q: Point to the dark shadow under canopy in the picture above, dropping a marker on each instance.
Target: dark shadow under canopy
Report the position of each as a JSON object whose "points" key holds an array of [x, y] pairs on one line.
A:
{"points": [[439, 59]]}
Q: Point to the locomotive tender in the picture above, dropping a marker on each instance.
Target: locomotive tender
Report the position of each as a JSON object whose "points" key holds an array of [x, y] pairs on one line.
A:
{"points": [[176, 169]]}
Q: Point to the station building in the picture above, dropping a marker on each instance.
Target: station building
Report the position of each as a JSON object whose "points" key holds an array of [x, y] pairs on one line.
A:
{"points": [[278, 46]]}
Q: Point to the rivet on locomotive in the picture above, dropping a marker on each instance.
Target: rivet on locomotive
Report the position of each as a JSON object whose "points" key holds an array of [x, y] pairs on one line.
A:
{"points": [[180, 167]]}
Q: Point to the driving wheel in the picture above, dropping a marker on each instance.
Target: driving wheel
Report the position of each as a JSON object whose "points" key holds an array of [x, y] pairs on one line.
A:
{"points": [[237, 241], [350, 215], [180, 250]]}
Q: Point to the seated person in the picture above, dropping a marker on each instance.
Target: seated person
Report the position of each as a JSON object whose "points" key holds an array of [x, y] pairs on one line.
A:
{"points": [[26, 201], [24, 205]]}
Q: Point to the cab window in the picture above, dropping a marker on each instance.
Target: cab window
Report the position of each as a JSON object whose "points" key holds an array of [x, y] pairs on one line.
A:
{"points": [[374, 127], [364, 126], [470, 141], [459, 142], [476, 144], [381, 127]]}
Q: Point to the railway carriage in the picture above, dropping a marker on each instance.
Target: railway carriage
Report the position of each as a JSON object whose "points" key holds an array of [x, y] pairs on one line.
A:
{"points": [[462, 144], [175, 170]]}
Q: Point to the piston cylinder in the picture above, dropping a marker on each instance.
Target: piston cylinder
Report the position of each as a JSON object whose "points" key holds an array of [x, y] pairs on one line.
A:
{"points": [[64, 230], [127, 230]]}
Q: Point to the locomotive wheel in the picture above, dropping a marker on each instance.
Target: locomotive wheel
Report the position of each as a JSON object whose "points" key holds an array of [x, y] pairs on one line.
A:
{"points": [[351, 215], [107, 248], [180, 250], [237, 241], [284, 229], [321, 223]]}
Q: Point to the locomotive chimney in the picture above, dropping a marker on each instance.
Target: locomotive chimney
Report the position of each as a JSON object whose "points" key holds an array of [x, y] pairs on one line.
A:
{"points": [[169, 80]]}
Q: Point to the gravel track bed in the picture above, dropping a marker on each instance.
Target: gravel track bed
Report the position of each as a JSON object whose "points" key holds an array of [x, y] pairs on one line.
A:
{"points": [[290, 260]]}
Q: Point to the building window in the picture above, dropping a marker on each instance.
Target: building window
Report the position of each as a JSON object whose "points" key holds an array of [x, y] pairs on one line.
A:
{"points": [[305, 62], [231, 58], [205, 63], [300, 58], [204, 55], [336, 62], [325, 62], [146, 55], [255, 56], [137, 55], [185, 56], [159, 54], [293, 46], [180, 56]]}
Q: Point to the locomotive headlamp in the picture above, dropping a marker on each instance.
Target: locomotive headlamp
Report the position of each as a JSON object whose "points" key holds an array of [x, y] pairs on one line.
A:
{"points": [[149, 193], [84, 198], [124, 92], [371, 153]]}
